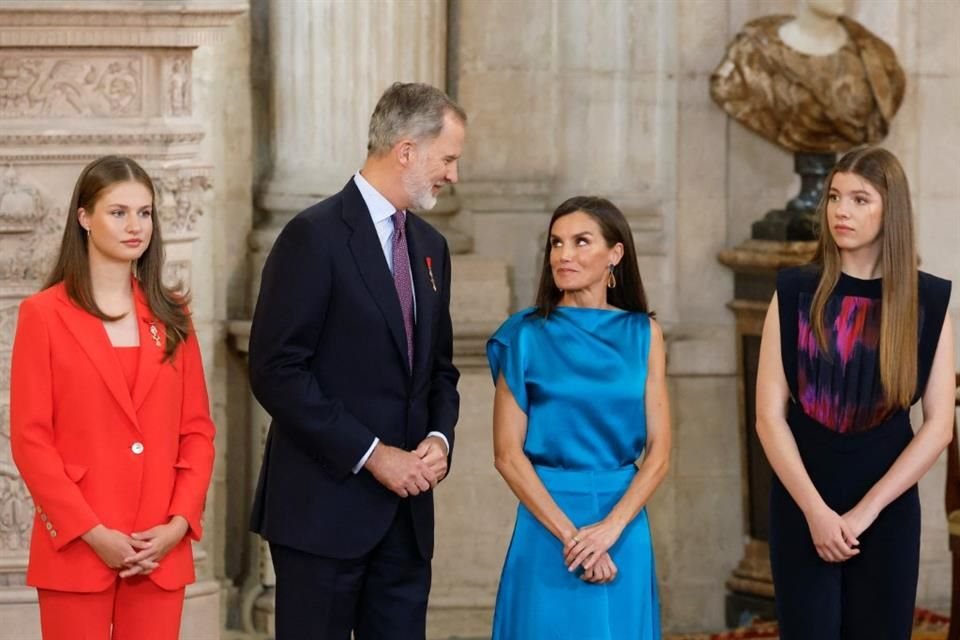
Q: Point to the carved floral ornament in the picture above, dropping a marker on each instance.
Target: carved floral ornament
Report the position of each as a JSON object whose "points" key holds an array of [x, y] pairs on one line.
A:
{"points": [[29, 231], [62, 87], [176, 274], [21, 208], [180, 198]]}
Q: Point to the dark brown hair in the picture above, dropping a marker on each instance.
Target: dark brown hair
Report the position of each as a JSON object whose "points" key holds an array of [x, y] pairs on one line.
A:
{"points": [[73, 262], [899, 310], [628, 294]]}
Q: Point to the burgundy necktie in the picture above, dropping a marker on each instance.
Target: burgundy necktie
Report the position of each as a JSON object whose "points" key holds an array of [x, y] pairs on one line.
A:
{"points": [[401, 278]]}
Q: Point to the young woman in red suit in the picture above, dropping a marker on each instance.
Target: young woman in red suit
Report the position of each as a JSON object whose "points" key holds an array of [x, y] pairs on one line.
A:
{"points": [[110, 424]]}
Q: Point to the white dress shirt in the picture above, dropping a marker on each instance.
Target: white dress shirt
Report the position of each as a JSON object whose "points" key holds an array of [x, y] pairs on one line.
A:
{"points": [[381, 211]]}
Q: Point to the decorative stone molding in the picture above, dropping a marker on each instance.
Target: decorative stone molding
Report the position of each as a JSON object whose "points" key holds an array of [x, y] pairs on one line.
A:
{"points": [[5, 433], [125, 23], [21, 208], [16, 512], [55, 85], [177, 83], [5, 368], [29, 233], [105, 138], [180, 198], [176, 274], [78, 80], [8, 325]]}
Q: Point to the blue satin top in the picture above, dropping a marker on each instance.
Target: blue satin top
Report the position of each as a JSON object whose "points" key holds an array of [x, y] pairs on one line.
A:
{"points": [[580, 376]]}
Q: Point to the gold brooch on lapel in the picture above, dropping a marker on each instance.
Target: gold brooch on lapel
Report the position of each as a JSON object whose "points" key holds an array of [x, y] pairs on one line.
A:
{"points": [[433, 283], [155, 334]]}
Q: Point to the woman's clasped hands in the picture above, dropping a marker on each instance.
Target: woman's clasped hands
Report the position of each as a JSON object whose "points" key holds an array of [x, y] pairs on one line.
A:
{"points": [[139, 553], [589, 548]]}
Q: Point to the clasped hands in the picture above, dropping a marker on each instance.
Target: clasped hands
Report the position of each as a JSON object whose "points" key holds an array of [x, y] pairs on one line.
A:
{"points": [[409, 473], [835, 537], [138, 553], [589, 547]]}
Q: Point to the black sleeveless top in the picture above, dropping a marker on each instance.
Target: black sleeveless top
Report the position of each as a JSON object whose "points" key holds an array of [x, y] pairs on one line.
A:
{"points": [[841, 389]]}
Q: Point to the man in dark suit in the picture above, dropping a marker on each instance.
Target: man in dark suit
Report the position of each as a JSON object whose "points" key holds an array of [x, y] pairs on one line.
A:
{"points": [[351, 354]]}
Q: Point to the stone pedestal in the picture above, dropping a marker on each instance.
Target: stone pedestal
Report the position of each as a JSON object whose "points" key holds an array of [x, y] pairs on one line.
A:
{"points": [[79, 80], [755, 264]]}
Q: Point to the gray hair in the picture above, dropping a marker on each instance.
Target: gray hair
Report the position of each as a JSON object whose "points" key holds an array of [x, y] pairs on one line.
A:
{"points": [[409, 110]]}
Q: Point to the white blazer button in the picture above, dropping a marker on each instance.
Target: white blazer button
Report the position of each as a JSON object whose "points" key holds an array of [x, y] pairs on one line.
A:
{"points": [[137, 448]]}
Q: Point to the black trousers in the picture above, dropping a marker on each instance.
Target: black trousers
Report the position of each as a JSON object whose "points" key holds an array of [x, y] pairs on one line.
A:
{"points": [[380, 596], [872, 595]]}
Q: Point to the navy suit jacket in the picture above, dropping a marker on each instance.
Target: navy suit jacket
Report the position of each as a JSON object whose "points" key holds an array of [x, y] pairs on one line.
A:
{"points": [[328, 361]]}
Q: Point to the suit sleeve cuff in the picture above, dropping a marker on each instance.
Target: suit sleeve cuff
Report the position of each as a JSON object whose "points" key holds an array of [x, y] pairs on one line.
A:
{"points": [[366, 456], [446, 443]]}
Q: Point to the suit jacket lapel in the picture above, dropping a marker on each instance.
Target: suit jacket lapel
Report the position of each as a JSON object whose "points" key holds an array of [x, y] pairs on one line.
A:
{"points": [[89, 332], [368, 254], [153, 342], [424, 290]]}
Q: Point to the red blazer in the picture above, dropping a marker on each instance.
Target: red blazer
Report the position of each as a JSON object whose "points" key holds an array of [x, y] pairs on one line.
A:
{"points": [[90, 451]]}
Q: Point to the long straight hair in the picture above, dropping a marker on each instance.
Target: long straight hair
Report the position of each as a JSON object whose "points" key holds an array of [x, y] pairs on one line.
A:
{"points": [[898, 261], [628, 294], [73, 262]]}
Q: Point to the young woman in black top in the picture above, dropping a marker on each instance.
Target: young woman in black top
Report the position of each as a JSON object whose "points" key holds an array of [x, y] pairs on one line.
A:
{"points": [[850, 342]]}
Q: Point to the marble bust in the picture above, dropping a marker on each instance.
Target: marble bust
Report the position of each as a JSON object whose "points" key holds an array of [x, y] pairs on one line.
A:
{"points": [[818, 82]]}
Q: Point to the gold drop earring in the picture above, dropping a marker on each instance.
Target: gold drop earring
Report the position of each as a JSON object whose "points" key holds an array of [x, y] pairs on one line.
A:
{"points": [[612, 281]]}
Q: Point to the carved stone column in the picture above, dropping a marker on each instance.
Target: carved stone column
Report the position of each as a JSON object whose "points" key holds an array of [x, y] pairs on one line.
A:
{"points": [[330, 63], [80, 80]]}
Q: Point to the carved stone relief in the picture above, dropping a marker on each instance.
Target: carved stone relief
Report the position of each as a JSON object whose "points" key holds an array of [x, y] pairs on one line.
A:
{"points": [[20, 205], [27, 259], [8, 325], [178, 86], [58, 86], [16, 512], [29, 231], [5, 368], [176, 274], [180, 195], [5, 433]]}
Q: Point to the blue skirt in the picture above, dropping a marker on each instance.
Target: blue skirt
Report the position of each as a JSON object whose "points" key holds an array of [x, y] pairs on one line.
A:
{"points": [[539, 598]]}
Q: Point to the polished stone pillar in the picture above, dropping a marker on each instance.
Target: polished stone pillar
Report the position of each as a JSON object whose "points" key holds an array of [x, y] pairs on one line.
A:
{"points": [[79, 80]]}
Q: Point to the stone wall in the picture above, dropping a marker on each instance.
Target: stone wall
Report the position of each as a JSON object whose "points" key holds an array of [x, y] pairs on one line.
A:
{"points": [[564, 97], [555, 113]]}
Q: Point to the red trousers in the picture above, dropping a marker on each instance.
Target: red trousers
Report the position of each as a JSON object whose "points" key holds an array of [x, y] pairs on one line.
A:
{"points": [[135, 608]]}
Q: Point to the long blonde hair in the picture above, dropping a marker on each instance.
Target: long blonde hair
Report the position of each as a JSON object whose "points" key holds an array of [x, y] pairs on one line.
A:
{"points": [[898, 261]]}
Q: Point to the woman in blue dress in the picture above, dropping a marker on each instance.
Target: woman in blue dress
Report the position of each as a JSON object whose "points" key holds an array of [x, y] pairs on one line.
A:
{"points": [[580, 395]]}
